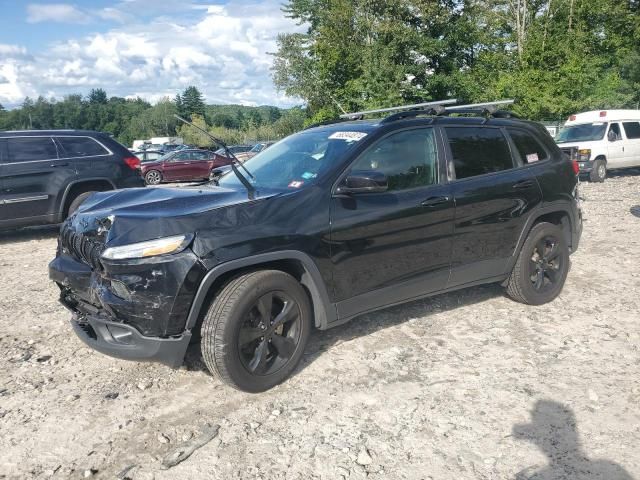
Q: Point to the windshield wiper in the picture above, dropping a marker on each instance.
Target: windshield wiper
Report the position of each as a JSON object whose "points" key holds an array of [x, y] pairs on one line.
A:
{"points": [[234, 160]]}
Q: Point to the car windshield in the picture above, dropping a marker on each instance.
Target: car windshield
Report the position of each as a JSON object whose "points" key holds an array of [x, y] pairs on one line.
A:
{"points": [[582, 133], [297, 161]]}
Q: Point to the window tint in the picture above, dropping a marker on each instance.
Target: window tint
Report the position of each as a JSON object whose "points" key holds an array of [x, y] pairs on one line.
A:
{"points": [[81, 147], [477, 151], [528, 147], [408, 159], [25, 149], [632, 129]]}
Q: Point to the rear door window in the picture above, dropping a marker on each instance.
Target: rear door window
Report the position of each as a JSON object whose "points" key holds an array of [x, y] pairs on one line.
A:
{"points": [[632, 129], [26, 149], [81, 147], [478, 151], [527, 146]]}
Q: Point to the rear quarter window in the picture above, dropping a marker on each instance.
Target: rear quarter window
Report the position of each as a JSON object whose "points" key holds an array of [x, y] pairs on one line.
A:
{"points": [[478, 151], [81, 147], [27, 149], [632, 129], [527, 146]]}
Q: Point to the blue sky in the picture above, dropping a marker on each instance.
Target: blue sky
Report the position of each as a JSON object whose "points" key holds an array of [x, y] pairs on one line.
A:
{"points": [[150, 48]]}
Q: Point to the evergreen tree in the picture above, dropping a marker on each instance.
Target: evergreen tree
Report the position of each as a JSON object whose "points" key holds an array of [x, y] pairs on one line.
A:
{"points": [[192, 102], [97, 96]]}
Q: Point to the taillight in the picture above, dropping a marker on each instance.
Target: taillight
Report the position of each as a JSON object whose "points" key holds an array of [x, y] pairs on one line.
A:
{"points": [[576, 167], [132, 162]]}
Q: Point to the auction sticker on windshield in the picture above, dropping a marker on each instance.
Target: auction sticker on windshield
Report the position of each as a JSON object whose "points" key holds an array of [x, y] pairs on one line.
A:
{"points": [[347, 136]]}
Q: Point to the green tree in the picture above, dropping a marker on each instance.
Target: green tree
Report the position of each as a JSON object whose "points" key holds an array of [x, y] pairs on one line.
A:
{"points": [[97, 96], [192, 102]]}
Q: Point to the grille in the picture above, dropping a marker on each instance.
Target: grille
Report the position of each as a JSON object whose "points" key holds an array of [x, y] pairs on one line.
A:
{"points": [[81, 247], [570, 151]]}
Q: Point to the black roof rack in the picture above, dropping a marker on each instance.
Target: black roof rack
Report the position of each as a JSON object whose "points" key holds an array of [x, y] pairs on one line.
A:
{"points": [[435, 109], [486, 110]]}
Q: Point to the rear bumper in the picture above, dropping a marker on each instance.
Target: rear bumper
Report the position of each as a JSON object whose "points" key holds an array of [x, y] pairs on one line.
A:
{"points": [[123, 341]]}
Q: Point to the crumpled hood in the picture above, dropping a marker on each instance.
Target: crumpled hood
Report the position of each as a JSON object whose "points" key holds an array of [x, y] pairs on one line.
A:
{"points": [[138, 214]]}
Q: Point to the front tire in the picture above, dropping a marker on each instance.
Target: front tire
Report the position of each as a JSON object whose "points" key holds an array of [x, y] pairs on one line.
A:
{"points": [[75, 204], [599, 171], [153, 177], [255, 332], [542, 266]]}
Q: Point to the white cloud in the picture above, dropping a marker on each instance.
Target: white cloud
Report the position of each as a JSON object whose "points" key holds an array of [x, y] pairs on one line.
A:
{"points": [[55, 12], [223, 50]]}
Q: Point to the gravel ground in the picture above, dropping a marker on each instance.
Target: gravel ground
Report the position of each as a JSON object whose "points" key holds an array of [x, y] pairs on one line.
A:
{"points": [[463, 385]]}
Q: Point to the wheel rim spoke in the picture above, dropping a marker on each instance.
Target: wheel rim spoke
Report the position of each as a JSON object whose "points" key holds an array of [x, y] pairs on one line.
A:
{"points": [[288, 313], [258, 363], [265, 304], [284, 345], [552, 274], [553, 252], [541, 247], [539, 280]]}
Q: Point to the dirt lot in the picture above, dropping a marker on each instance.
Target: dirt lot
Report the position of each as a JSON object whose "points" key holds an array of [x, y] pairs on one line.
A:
{"points": [[464, 385]]}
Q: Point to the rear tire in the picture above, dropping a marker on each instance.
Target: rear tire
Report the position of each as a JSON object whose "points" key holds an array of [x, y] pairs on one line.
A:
{"points": [[599, 171], [153, 177], [256, 329], [542, 266], [75, 204]]}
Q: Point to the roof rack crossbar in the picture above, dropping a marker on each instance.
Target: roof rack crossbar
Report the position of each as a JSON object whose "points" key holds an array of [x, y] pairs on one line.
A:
{"points": [[488, 106], [398, 108]]}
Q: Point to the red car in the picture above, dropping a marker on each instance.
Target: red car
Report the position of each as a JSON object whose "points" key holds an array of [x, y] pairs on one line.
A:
{"points": [[183, 165]]}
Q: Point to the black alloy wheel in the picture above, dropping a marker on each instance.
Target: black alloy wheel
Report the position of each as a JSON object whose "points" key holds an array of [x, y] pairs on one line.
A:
{"points": [[270, 333], [256, 329], [542, 266], [546, 264]]}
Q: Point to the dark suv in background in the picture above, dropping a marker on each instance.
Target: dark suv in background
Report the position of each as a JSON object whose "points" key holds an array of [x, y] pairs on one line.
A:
{"points": [[46, 174], [323, 226]]}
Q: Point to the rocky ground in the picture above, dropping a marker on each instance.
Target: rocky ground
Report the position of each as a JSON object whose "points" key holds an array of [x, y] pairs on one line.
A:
{"points": [[464, 385]]}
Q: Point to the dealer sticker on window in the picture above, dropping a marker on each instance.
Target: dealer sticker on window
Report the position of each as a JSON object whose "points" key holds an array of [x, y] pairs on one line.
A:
{"points": [[532, 157], [347, 136]]}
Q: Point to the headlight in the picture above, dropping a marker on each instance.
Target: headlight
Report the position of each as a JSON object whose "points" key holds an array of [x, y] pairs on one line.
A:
{"points": [[584, 155], [150, 248]]}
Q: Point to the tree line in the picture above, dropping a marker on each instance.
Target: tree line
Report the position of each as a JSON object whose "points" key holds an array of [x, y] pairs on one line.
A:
{"points": [[131, 119], [554, 57]]}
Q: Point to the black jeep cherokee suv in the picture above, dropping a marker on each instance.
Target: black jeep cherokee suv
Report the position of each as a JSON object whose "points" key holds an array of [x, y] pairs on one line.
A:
{"points": [[46, 174], [325, 225]]}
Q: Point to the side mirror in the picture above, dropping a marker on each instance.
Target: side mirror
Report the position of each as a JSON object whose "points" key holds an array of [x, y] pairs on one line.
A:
{"points": [[363, 181], [612, 136]]}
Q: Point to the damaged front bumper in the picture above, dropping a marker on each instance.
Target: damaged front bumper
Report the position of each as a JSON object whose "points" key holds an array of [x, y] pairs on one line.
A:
{"points": [[134, 310], [123, 341]]}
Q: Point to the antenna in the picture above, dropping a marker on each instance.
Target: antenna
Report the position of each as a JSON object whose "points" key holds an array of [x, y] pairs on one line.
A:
{"points": [[399, 108]]}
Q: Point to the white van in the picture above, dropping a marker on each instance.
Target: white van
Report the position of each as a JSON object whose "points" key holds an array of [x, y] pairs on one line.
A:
{"points": [[602, 140]]}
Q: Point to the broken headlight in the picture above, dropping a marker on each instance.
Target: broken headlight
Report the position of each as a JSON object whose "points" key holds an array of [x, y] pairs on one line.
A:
{"points": [[150, 248]]}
